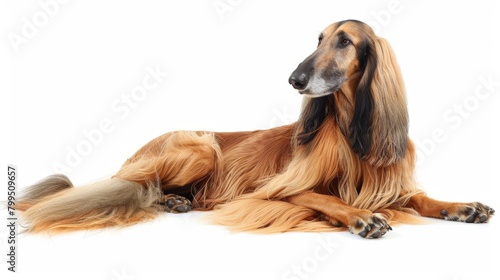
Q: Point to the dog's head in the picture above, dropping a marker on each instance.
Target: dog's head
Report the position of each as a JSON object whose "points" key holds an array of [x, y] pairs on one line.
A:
{"points": [[342, 50], [360, 68]]}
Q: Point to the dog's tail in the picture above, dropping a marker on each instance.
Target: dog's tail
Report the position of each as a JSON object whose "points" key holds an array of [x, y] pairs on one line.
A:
{"points": [[54, 205]]}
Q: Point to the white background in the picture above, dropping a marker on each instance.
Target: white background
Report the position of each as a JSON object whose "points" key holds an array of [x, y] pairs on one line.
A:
{"points": [[228, 71]]}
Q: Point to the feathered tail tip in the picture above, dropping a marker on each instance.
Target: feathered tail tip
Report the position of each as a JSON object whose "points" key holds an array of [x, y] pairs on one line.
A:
{"points": [[266, 216], [112, 202], [42, 189]]}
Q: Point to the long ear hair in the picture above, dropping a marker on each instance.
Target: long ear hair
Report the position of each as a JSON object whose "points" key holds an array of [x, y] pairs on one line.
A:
{"points": [[378, 131]]}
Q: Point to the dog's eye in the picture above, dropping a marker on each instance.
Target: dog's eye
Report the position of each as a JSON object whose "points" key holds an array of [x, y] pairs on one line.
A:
{"points": [[344, 42], [320, 38]]}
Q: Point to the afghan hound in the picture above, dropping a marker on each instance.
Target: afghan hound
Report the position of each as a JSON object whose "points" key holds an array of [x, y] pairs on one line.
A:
{"points": [[346, 163]]}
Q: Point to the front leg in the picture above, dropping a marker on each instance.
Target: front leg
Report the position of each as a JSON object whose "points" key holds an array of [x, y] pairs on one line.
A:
{"points": [[473, 212], [359, 221]]}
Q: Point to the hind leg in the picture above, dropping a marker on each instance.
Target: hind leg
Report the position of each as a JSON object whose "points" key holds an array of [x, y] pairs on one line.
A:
{"points": [[172, 160]]}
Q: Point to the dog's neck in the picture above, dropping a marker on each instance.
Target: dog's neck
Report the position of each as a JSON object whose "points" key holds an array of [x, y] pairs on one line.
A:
{"points": [[337, 107]]}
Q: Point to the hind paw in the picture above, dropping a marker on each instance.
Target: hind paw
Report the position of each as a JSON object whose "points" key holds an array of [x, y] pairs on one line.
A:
{"points": [[176, 204]]}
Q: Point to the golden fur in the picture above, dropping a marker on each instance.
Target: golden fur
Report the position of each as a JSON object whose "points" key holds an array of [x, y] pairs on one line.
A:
{"points": [[347, 158]]}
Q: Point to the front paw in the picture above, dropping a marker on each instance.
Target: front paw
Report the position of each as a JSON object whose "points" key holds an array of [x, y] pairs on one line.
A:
{"points": [[474, 212], [368, 225]]}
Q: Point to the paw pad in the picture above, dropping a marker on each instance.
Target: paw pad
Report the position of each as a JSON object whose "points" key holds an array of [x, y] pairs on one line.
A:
{"points": [[176, 204]]}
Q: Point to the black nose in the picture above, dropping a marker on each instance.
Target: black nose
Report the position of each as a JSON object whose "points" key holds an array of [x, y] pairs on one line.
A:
{"points": [[298, 80]]}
